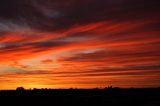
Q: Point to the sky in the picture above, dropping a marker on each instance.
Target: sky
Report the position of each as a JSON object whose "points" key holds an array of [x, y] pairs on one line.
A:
{"points": [[79, 43]]}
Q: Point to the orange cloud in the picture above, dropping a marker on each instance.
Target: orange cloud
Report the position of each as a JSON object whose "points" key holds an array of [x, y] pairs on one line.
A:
{"points": [[89, 55]]}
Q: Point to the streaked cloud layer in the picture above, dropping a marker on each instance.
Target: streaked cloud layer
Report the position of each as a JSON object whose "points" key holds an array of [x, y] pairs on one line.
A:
{"points": [[79, 43]]}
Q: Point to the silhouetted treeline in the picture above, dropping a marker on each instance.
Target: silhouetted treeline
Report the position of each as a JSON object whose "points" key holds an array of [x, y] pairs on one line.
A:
{"points": [[79, 97]]}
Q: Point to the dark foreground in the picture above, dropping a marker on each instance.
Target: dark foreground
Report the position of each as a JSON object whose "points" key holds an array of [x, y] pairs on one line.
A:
{"points": [[82, 97]]}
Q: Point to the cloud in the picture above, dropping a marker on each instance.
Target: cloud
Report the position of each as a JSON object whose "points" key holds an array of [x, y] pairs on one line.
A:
{"points": [[9, 26], [57, 15], [48, 61], [61, 42]]}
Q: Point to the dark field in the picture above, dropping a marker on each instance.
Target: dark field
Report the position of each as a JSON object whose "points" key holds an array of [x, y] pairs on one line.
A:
{"points": [[82, 97]]}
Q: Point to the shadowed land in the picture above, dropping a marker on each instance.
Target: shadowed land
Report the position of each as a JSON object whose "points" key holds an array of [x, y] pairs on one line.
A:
{"points": [[97, 97]]}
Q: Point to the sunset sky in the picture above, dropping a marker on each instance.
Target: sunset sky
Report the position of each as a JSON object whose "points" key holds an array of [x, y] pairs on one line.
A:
{"points": [[79, 43]]}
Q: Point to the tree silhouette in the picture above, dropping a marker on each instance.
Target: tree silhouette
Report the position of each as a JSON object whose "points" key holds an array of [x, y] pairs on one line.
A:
{"points": [[20, 89]]}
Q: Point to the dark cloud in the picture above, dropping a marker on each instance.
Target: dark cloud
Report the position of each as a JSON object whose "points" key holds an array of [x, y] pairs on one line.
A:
{"points": [[36, 46], [17, 13], [50, 15], [40, 46], [107, 55]]}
